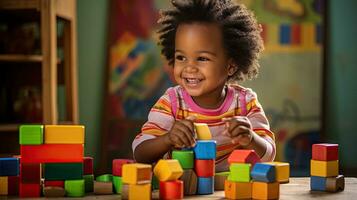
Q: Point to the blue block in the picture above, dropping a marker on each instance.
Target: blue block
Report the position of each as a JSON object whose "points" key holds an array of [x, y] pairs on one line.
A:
{"points": [[285, 34], [9, 166], [205, 149], [205, 185], [263, 173], [317, 183]]}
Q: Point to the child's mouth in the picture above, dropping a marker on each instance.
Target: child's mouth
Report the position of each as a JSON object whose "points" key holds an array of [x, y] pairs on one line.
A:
{"points": [[192, 81]]}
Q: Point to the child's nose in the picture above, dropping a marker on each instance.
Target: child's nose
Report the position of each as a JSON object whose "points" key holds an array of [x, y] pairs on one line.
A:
{"points": [[191, 67]]}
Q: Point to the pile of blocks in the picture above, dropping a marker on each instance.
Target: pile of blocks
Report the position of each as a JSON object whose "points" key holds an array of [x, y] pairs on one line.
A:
{"points": [[324, 169], [9, 176], [136, 181]]}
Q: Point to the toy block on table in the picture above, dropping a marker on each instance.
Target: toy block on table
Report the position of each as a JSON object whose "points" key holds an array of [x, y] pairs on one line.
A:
{"points": [[62, 171], [282, 171], [325, 152], [140, 192], [205, 185], [64, 134], [52, 153], [29, 190], [237, 190], [103, 187], [262, 190], [205, 168], [155, 183], [136, 173], [56, 183], [263, 172], [117, 166], [243, 156], [219, 179], [239, 172], [202, 131], [324, 168], [104, 178], [74, 188], [53, 191], [9, 166], [117, 184], [185, 158], [88, 182], [329, 184], [124, 191], [205, 149], [168, 170], [30, 173], [3, 185], [31, 134], [189, 179], [171, 189], [13, 185], [87, 165]]}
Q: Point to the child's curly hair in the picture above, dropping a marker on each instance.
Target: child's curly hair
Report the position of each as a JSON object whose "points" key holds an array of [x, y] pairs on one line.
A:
{"points": [[240, 30]]}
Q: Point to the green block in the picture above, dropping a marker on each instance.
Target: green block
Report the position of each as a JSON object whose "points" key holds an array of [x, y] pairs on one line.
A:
{"points": [[63, 171], [105, 178], [117, 183], [240, 172], [31, 134], [222, 173], [74, 188], [185, 158], [155, 183], [88, 182]]}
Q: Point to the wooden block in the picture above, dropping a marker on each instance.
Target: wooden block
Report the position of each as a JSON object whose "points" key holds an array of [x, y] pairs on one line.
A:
{"points": [[219, 179], [104, 178], [52, 153], [155, 183], [335, 184], [64, 134], [202, 131], [56, 183], [324, 168], [205, 149], [53, 191], [205, 185], [282, 171], [189, 179], [317, 183], [87, 165], [88, 182], [325, 152], [168, 170], [30, 173], [237, 190], [136, 173], [243, 156], [171, 189], [3, 185], [262, 190], [140, 192], [103, 187], [239, 172], [262, 172], [13, 185], [63, 171], [124, 191], [117, 183], [31, 134], [74, 188], [9, 166], [185, 158], [118, 164], [205, 168], [29, 190]]}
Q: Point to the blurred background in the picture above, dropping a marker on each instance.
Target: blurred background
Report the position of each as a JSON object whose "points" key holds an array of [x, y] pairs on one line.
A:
{"points": [[305, 85]]}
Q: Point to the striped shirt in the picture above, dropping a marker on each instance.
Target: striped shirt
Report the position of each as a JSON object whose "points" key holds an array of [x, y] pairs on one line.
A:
{"points": [[177, 104]]}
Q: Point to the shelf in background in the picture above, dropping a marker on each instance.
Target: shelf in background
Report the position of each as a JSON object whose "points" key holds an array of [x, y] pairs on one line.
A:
{"points": [[15, 127], [20, 58]]}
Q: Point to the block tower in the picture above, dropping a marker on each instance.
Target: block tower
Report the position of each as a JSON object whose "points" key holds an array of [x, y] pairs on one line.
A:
{"points": [[324, 169], [9, 176], [136, 181]]}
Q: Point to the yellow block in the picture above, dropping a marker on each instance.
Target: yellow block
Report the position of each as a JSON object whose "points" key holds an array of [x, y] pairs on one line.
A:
{"points": [[324, 168], [136, 173], [140, 192], [262, 190], [202, 131], [168, 170], [282, 171], [237, 190], [64, 134], [3, 185]]}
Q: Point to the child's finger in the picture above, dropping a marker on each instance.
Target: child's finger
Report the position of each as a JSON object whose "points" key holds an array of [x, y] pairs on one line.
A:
{"points": [[187, 132], [238, 130], [184, 137], [189, 125], [191, 118]]}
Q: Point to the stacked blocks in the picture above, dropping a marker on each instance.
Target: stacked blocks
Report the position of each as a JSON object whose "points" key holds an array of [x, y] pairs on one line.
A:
{"points": [[265, 185], [282, 171], [202, 131], [136, 180], [168, 172], [9, 176], [219, 179], [88, 174], [186, 159], [117, 165], [244, 156], [103, 184], [324, 169]]}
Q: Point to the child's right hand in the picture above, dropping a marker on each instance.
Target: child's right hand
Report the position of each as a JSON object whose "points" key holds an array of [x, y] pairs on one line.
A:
{"points": [[182, 133]]}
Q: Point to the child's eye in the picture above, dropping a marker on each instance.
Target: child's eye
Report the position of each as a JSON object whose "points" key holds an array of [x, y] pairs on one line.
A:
{"points": [[203, 59], [180, 58]]}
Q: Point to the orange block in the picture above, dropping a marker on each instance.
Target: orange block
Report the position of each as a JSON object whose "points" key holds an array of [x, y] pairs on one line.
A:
{"points": [[52, 153], [237, 190], [262, 190], [64, 134]]}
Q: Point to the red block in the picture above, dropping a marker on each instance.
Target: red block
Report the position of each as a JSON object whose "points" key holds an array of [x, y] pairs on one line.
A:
{"points": [[243, 156], [171, 189], [30, 173], [117, 165], [325, 152], [52, 153], [205, 168], [13, 185], [30, 190], [87, 165], [54, 184], [296, 34]]}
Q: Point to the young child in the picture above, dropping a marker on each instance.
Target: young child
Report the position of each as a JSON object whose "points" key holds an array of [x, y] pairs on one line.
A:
{"points": [[210, 43]]}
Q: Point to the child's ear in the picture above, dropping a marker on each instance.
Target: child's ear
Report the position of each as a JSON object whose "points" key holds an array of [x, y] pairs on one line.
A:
{"points": [[232, 68]]}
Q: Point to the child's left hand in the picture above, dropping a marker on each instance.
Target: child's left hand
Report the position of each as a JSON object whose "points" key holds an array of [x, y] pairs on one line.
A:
{"points": [[239, 129]]}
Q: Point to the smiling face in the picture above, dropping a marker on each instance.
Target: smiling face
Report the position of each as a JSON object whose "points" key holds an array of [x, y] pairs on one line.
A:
{"points": [[201, 66]]}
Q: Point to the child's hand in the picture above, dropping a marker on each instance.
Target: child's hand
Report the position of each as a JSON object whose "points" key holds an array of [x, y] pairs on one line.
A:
{"points": [[182, 133], [239, 129]]}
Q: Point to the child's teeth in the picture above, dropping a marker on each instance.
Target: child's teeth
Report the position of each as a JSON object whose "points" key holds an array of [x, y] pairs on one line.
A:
{"points": [[192, 80]]}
